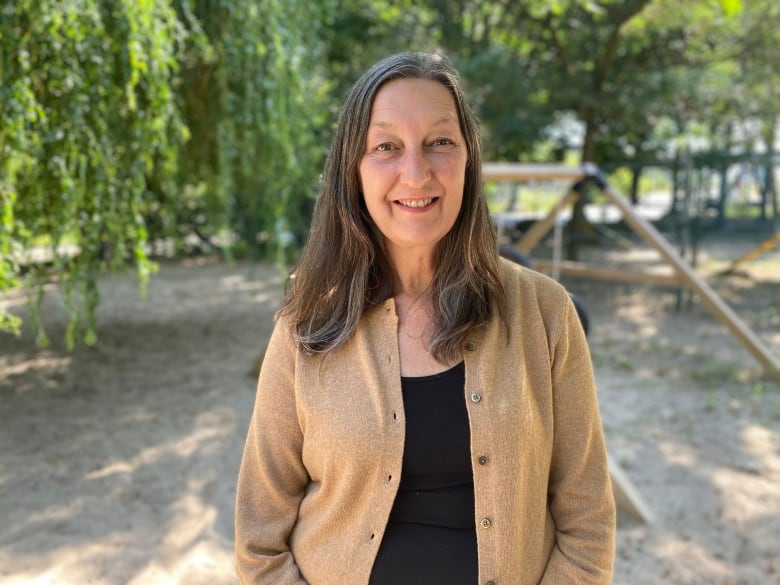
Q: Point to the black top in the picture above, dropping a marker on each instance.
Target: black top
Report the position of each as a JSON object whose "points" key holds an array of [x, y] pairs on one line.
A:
{"points": [[431, 537]]}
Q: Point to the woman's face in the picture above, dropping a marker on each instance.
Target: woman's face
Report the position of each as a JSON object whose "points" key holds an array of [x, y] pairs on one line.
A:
{"points": [[414, 164]]}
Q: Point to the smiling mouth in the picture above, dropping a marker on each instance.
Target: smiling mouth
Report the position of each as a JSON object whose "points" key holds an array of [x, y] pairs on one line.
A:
{"points": [[417, 203]]}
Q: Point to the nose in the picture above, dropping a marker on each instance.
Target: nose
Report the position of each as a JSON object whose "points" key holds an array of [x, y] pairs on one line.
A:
{"points": [[415, 168]]}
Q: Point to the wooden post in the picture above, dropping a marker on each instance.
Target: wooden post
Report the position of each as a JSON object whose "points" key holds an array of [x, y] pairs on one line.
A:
{"points": [[539, 228], [627, 498], [708, 296], [762, 248]]}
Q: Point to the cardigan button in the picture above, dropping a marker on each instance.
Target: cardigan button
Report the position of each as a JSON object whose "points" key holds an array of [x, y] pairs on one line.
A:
{"points": [[476, 397], [471, 346], [490, 583], [482, 459], [485, 523]]}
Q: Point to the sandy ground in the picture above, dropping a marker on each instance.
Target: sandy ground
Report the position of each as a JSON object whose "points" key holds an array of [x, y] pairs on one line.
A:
{"points": [[118, 462]]}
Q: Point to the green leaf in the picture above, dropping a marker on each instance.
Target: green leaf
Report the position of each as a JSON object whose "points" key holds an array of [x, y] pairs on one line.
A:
{"points": [[731, 6]]}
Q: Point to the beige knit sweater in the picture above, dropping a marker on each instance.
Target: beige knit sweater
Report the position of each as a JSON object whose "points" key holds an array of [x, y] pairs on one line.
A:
{"points": [[323, 454]]}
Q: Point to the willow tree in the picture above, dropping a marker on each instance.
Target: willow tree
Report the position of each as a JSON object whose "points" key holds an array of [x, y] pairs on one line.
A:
{"points": [[254, 102], [126, 122], [87, 115]]}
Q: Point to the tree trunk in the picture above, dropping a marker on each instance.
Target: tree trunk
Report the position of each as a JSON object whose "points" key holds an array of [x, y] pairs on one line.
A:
{"points": [[636, 175], [579, 228], [720, 221], [769, 188], [674, 209]]}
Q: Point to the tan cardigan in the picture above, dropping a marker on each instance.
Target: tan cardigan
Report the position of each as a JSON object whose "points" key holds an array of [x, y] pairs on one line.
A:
{"points": [[323, 454]]}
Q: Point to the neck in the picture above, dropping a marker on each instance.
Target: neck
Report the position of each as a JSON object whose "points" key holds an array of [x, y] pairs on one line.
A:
{"points": [[413, 274], [413, 279]]}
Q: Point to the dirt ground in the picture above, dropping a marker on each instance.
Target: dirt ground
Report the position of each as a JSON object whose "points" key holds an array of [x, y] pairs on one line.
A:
{"points": [[118, 462]]}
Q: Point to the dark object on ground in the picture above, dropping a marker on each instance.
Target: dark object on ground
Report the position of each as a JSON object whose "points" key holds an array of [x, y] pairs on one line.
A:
{"points": [[515, 255]]}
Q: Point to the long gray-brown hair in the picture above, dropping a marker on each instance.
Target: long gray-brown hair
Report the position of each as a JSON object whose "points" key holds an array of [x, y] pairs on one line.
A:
{"points": [[344, 271]]}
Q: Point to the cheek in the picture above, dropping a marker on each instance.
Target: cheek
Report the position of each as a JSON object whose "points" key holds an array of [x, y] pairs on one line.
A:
{"points": [[456, 182], [374, 180], [451, 169], [361, 182], [365, 178], [367, 196]]}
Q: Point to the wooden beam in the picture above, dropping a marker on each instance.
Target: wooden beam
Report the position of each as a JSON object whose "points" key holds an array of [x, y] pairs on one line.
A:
{"points": [[529, 172], [708, 296], [627, 498], [590, 271], [762, 248], [534, 234]]}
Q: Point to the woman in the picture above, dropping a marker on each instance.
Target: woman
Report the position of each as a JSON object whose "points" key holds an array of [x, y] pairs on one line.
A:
{"points": [[426, 412]]}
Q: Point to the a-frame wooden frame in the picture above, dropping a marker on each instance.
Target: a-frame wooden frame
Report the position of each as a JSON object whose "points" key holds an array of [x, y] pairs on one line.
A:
{"points": [[627, 497]]}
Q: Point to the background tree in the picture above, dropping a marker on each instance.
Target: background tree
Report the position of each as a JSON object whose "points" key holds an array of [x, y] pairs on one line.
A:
{"points": [[357, 34], [128, 122], [607, 62], [132, 128], [88, 114], [754, 41], [252, 96]]}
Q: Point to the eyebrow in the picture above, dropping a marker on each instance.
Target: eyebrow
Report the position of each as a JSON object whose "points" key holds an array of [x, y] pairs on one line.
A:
{"points": [[443, 121]]}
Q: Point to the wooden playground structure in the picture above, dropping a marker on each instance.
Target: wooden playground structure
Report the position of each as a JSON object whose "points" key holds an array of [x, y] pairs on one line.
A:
{"points": [[764, 247], [681, 275]]}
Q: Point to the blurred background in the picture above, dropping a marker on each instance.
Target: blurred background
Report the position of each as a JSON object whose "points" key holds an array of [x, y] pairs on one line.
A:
{"points": [[160, 128], [159, 163]]}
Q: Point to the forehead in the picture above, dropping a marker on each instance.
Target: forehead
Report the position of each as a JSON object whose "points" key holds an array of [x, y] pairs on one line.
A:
{"points": [[407, 99]]}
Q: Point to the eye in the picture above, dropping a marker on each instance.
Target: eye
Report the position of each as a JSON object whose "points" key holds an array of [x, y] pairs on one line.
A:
{"points": [[442, 144], [384, 147]]}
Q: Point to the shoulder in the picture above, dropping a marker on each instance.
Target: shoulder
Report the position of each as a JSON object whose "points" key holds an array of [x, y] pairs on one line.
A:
{"points": [[285, 345], [283, 350], [524, 285], [535, 302]]}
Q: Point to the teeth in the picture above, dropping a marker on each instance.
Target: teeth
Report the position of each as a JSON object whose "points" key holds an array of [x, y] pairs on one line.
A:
{"points": [[417, 202]]}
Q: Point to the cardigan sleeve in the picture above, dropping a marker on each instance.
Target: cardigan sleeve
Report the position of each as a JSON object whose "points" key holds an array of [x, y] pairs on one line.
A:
{"points": [[580, 489], [272, 477]]}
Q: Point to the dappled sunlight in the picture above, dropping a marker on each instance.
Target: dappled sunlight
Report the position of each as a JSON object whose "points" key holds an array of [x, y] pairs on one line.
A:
{"points": [[262, 287], [12, 300], [123, 526], [757, 472], [69, 564], [644, 373], [756, 500], [678, 454], [763, 444], [210, 428], [9, 367], [239, 283], [53, 515], [646, 325], [189, 550], [191, 519], [184, 549], [267, 297], [206, 562], [17, 298], [25, 373], [692, 562]]}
